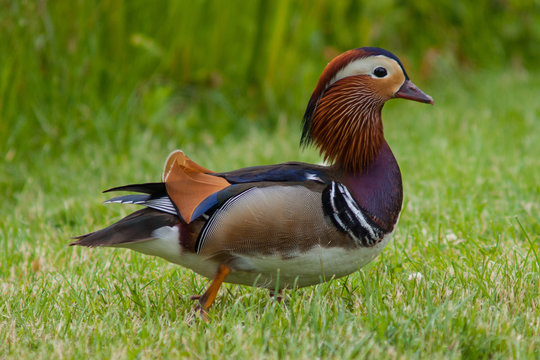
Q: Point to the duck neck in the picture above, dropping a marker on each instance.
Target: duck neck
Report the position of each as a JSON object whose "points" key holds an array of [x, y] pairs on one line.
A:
{"points": [[378, 188], [347, 127]]}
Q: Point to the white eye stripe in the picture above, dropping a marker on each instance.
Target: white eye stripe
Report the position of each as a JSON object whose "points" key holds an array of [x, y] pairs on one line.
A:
{"points": [[366, 66]]}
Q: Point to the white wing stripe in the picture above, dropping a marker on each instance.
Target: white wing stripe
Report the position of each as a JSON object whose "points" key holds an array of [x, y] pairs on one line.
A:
{"points": [[162, 204]]}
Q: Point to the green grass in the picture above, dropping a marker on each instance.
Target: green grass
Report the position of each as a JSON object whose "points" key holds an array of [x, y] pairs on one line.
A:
{"points": [[96, 94], [461, 279]]}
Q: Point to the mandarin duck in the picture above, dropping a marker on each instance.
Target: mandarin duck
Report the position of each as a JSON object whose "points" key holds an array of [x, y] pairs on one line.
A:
{"points": [[287, 225]]}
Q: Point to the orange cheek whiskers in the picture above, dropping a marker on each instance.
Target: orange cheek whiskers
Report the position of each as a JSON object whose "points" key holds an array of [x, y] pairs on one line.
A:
{"points": [[346, 125]]}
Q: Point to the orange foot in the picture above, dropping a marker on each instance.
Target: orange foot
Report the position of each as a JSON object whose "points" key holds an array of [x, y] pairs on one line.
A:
{"points": [[207, 299]]}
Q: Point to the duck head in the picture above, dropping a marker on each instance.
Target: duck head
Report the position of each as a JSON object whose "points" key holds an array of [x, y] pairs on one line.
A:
{"points": [[343, 116]]}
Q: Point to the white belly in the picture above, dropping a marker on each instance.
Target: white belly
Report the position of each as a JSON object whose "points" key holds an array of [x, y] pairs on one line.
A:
{"points": [[317, 265]]}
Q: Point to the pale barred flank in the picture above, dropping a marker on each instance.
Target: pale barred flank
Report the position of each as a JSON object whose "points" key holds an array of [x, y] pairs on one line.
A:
{"points": [[347, 124]]}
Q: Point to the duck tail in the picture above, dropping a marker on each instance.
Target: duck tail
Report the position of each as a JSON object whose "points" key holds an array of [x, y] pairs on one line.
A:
{"points": [[136, 227]]}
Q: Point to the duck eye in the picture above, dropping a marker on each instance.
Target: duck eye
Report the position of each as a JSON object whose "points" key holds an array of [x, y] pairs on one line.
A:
{"points": [[380, 72]]}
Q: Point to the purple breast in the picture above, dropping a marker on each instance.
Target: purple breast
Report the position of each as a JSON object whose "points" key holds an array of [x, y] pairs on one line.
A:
{"points": [[378, 190]]}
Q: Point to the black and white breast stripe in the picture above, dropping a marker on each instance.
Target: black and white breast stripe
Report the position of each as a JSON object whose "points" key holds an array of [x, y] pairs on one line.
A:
{"points": [[348, 217]]}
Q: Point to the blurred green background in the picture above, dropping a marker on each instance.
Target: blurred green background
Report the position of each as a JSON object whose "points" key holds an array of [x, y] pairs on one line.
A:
{"points": [[80, 75], [210, 66]]}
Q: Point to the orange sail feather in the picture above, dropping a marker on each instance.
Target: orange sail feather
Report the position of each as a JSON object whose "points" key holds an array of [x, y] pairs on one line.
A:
{"points": [[188, 183]]}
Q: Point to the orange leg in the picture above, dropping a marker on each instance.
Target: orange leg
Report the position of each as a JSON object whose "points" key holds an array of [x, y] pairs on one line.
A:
{"points": [[206, 300]]}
